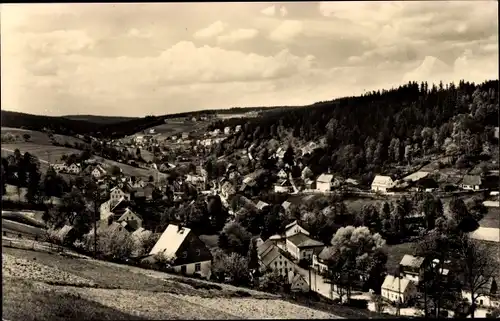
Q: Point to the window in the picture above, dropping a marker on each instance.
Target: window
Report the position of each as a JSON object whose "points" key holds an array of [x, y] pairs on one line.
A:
{"points": [[481, 302], [197, 267], [275, 263], [286, 263]]}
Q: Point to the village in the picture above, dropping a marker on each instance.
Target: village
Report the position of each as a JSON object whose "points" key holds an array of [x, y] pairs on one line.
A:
{"points": [[124, 203]]}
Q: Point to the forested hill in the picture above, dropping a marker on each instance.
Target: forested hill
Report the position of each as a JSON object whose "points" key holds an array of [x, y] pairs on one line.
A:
{"points": [[100, 119], [367, 132]]}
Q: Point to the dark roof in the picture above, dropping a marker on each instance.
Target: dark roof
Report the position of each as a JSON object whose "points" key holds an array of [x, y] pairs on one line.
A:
{"points": [[302, 240], [471, 180]]}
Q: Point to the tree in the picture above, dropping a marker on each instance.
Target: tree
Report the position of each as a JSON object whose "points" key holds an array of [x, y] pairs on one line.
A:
{"points": [[75, 211], [234, 238], [233, 265], [349, 256], [253, 259], [53, 184], [477, 266], [460, 213], [289, 156]]}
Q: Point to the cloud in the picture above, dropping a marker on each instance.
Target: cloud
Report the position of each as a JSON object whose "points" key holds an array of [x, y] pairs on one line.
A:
{"points": [[269, 11], [283, 11], [238, 35], [213, 30], [287, 31]]}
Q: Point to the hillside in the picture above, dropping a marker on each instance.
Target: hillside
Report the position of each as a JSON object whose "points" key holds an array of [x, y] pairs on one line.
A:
{"points": [[35, 281], [372, 133]]}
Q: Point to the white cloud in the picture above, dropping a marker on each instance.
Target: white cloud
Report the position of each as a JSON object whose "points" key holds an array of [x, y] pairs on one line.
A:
{"points": [[213, 30], [269, 11], [139, 33], [238, 35], [287, 31]]}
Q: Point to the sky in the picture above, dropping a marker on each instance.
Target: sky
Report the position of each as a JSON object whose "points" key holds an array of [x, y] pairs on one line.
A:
{"points": [[163, 58]]}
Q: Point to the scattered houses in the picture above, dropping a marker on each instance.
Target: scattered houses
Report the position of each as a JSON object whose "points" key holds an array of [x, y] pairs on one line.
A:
{"points": [[188, 253], [382, 183]]}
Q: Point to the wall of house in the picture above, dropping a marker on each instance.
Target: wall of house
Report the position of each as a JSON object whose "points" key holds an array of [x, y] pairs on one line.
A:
{"points": [[282, 265], [293, 250], [296, 229], [322, 186], [281, 189], [306, 253], [411, 277], [318, 265], [205, 268], [482, 300]]}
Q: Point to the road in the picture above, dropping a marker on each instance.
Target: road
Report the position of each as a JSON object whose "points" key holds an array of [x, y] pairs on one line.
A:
{"points": [[11, 151]]}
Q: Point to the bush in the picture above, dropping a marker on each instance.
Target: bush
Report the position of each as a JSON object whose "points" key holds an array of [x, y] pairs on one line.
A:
{"points": [[111, 244]]}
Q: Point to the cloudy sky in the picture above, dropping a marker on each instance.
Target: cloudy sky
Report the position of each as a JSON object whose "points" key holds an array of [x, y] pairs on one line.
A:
{"points": [[139, 59]]}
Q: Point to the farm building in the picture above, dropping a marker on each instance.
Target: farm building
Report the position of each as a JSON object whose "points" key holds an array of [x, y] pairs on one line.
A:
{"points": [[382, 183], [471, 182], [190, 255], [397, 289]]}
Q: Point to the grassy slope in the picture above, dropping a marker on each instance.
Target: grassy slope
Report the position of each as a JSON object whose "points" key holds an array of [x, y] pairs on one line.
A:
{"points": [[140, 292], [41, 138]]}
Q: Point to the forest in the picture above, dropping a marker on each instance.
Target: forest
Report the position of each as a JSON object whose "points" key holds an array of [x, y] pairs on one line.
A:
{"points": [[370, 133]]}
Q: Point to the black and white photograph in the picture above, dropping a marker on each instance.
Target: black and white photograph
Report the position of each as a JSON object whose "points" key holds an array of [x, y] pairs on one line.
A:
{"points": [[250, 160]]}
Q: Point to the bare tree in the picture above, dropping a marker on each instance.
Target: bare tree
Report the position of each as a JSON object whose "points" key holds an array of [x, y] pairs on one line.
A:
{"points": [[477, 265]]}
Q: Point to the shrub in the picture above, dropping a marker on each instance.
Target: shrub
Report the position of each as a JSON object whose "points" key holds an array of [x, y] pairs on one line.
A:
{"points": [[111, 244]]}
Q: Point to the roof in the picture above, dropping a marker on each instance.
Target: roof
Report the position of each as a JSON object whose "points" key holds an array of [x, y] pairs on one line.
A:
{"points": [[471, 180], [284, 182], [275, 237], [325, 178], [394, 284], [261, 205], [416, 176], [127, 211], [286, 204], [63, 232], [264, 247], [382, 180], [272, 253], [302, 240], [412, 261], [291, 224], [170, 241], [323, 255]]}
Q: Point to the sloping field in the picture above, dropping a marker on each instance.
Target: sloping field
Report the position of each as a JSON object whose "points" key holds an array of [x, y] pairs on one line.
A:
{"points": [[39, 138], [177, 126], [125, 290], [44, 153]]}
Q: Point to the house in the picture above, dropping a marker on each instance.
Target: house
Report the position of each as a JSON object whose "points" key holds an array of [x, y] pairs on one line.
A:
{"points": [[297, 282], [60, 167], [416, 176], [309, 183], [190, 255], [397, 289], [261, 205], [134, 220], [282, 174], [227, 130], [280, 153], [471, 182], [489, 296], [237, 129], [227, 190], [272, 257], [114, 208], [318, 261], [301, 246], [66, 235], [185, 135], [74, 168], [382, 183], [411, 267], [294, 228], [117, 193], [98, 172], [216, 132], [326, 182], [195, 179], [286, 206], [283, 186]]}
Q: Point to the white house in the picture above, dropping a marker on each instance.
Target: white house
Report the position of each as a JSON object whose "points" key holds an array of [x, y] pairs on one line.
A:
{"points": [[116, 193], [282, 174], [237, 129], [326, 182], [74, 168], [98, 172], [189, 254], [294, 228], [60, 167], [227, 130], [382, 183], [301, 246], [397, 289], [318, 261], [471, 182], [133, 220], [297, 282], [412, 267], [272, 257]]}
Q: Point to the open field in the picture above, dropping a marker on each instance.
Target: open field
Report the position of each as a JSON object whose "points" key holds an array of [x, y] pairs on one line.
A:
{"points": [[174, 127], [492, 219], [122, 290], [40, 138], [16, 228]]}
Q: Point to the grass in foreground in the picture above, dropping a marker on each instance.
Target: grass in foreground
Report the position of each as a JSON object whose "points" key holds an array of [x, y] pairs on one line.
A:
{"points": [[23, 301]]}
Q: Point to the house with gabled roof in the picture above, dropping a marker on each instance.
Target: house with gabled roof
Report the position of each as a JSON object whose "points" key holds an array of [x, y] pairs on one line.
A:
{"points": [[471, 182], [282, 174], [294, 228], [98, 172], [301, 246], [326, 182], [117, 193], [134, 220], [227, 189], [297, 282], [412, 267], [189, 254], [397, 289], [272, 257], [283, 186], [382, 183], [74, 168], [286, 206]]}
